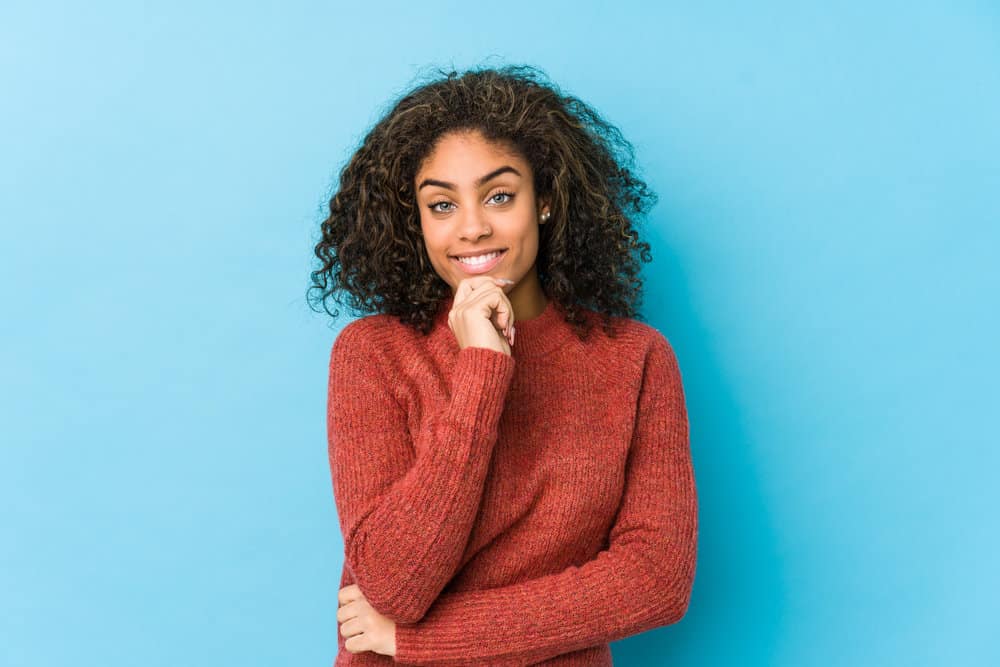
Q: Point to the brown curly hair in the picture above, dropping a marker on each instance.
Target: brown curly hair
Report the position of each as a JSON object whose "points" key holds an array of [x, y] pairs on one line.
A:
{"points": [[372, 246]]}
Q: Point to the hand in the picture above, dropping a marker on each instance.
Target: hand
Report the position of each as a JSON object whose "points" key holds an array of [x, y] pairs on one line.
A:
{"points": [[481, 314], [364, 628]]}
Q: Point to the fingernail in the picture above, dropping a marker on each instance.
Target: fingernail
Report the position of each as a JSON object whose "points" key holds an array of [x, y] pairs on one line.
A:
{"points": [[505, 281], [513, 330]]}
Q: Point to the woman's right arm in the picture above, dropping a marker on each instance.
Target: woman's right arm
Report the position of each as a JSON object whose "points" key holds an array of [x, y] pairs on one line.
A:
{"points": [[406, 518]]}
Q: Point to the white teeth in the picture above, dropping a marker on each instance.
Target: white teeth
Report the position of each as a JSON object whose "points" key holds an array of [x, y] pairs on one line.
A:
{"points": [[479, 259]]}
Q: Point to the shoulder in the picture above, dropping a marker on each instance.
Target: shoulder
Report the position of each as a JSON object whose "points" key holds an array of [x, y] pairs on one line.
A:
{"points": [[372, 336], [628, 353], [656, 349], [645, 359], [630, 336], [362, 329]]}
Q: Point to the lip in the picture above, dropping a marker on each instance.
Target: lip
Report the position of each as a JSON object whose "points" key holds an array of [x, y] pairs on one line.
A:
{"points": [[473, 270]]}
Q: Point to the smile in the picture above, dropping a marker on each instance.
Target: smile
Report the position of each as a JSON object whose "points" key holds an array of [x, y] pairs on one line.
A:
{"points": [[479, 263]]}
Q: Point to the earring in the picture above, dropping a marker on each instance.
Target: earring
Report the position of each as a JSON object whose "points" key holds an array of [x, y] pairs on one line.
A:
{"points": [[545, 216]]}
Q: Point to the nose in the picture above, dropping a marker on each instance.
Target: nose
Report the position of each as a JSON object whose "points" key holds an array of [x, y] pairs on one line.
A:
{"points": [[473, 224]]}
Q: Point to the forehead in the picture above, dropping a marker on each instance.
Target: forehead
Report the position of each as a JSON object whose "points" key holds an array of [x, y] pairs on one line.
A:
{"points": [[460, 152]]}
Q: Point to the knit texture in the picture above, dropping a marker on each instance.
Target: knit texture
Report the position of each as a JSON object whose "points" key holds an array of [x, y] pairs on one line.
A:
{"points": [[511, 509]]}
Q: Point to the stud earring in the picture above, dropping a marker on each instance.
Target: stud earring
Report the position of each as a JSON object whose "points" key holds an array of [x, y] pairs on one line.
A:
{"points": [[545, 216]]}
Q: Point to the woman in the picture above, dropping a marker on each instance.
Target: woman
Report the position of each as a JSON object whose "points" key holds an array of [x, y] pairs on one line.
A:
{"points": [[508, 446]]}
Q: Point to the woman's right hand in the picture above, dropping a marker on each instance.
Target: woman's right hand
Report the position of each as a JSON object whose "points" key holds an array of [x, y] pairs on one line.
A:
{"points": [[481, 314]]}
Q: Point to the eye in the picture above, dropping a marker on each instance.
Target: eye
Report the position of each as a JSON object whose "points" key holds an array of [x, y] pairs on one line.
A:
{"points": [[434, 206], [502, 193]]}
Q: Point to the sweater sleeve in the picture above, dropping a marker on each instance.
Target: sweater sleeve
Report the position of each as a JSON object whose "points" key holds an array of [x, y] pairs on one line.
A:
{"points": [[642, 581], [406, 517]]}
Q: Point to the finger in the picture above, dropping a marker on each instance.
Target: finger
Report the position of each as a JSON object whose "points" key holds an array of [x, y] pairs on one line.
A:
{"points": [[347, 612], [349, 594], [469, 285], [476, 286], [462, 292], [351, 628], [505, 315], [356, 644], [495, 305]]}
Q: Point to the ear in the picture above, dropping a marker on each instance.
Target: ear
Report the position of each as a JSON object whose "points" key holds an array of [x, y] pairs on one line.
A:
{"points": [[544, 206]]}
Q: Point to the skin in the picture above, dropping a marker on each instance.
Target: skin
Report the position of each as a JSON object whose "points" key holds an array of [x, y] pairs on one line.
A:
{"points": [[462, 217], [364, 628], [468, 217]]}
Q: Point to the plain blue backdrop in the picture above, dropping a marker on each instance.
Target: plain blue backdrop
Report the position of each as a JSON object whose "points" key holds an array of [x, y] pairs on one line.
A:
{"points": [[825, 250]]}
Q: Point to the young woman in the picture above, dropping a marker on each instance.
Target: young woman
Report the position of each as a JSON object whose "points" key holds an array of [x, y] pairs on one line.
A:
{"points": [[508, 446]]}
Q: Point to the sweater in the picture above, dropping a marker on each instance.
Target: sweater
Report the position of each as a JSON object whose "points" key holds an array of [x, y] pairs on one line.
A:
{"points": [[511, 509]]}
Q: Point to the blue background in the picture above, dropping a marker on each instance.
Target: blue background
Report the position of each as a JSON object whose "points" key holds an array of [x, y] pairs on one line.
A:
{"points": [[825, 266]]}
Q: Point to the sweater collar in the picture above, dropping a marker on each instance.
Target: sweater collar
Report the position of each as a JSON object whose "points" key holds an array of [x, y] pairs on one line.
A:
{"points": [[537, 336]]}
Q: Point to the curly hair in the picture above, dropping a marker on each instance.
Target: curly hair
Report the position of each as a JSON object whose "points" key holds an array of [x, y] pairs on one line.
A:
{"points": [[372, 246]]}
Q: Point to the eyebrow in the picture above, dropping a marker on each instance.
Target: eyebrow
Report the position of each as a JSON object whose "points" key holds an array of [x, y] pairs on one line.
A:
{"points": [[451, 186]]}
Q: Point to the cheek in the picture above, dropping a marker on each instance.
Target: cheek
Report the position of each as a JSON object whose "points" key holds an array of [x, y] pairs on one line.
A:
{"points": [[529, 243], [431, 242], [436, 249]]}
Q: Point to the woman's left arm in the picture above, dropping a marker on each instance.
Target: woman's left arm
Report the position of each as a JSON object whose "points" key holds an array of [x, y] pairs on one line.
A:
{"points": [[642, 581]]}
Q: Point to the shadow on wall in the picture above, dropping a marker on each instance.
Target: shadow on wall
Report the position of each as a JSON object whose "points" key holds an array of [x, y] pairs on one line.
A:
{"points": [[735, 614]]}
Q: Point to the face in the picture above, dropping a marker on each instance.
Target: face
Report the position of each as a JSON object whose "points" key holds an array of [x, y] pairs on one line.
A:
{"points": [[476, 197]]}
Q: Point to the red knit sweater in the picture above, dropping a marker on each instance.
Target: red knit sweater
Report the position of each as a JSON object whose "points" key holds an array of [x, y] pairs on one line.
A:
{"points": [[511, 510]]}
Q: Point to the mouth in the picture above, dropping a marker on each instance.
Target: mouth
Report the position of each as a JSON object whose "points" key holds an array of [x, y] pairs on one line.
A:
{"points": [[479, 263]]}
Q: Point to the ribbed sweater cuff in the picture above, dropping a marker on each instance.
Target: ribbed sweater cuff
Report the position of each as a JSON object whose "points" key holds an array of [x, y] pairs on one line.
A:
{"points": [[479, 384]]}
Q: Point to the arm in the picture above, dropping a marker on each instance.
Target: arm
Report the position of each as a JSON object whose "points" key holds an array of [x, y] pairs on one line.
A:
{"points": [[642, 581], [406, 518]]}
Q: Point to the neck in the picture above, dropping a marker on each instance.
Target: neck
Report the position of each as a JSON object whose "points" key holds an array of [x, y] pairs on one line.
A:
{"points": [[527, 298]]}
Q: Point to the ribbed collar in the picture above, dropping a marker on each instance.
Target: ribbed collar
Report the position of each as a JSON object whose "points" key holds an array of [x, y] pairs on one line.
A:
{"points": [[535, 337]]}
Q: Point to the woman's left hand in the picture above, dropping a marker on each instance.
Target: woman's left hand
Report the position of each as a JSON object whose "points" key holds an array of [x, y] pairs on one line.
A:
{"points": [[364, 628]]}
